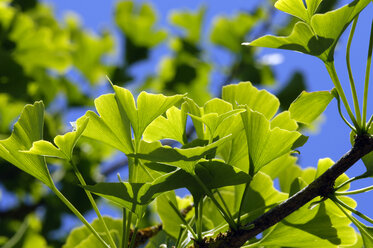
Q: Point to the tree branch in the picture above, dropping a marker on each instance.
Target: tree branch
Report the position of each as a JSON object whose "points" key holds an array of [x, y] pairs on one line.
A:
{"points": [[322, 186]]}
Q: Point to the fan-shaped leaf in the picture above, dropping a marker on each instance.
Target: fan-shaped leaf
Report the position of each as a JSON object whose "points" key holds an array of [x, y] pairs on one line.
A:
{"points": [[317, 37], [149, 107], [265, 144], [172, 127], [29, 128], [308, 106], [246, 94], [65, 143]]}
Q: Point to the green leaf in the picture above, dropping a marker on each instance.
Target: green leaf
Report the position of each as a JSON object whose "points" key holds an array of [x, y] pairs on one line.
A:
{"points": [[308, 106], [124, 194], [172, 127], [134, 196], [170, 220], [284, 121], [322, 227], [185, 159], [65, 143], [246, 94], [29, 128], [366, 233], [265, 144], [191, 22], [110, 126], [194, 109], [317, 37], [213, 120], [230, 32], [297, 8], [260, 194], [149, 107], [138, 23], [81, 237], [89, 49]]}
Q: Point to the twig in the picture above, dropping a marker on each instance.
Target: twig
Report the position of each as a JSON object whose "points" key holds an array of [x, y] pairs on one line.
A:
{"points": [[322, 186]]}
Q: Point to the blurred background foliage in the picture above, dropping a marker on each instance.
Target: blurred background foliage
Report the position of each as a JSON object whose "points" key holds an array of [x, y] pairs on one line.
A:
{"points": [[65, 65]]}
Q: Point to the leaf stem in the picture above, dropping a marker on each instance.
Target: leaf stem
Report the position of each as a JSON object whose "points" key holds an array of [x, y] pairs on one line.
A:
{"points": [[133, 237], [353, 220], [78, 214], [124, 221], [353, 192], [128, 229], [347, 182], [241, 203], [367, 74], [363, 216], [183, 220], [199, 213], [232, 224], [224, 203], [352, 82], [178, 241], [340, 113], [333, 75], [93, 203]]}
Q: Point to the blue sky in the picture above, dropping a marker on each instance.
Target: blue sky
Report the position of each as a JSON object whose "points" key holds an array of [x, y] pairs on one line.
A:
{"points": [[333, 139]]}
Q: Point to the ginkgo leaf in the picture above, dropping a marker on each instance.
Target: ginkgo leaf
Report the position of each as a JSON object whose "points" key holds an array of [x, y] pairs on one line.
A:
{"points": [[65, 143], [366, 233], [308, 106], [134, 196], [265, 144], [196, 110], [326, 228], [246, 94], [81, 236], [213, 120], [284, 121], [172, 127], [297, 8], [317, 37], [184, 158], [29, 128], [149, 107], [124, 194], [110, 126]]}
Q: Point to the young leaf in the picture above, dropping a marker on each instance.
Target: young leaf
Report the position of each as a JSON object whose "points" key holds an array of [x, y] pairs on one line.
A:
{"points": [[317, 37], [325, 228], [149, 107], [172, 127], [29, 128], [82, 236], [185, 159], [308, 106], [245, 93], [110, 126], [297, 8], [134, 196], [65, 143], [284, 121], [265, 144]]}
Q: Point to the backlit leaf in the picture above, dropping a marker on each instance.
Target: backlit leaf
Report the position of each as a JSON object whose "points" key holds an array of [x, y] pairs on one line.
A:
{"points": [[184, 158], [308, 106], [65, 144], [29, 128], [81, 237], [246, 94], [317, 37], [172, 127], [110, 126], [265, 144], [149, 107]]}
